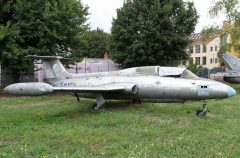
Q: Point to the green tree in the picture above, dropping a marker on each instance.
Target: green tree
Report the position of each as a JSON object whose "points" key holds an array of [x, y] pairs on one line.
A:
{"points": [[39, 27], [193, 67], [96, 43], [152, 32], [230, 9]]}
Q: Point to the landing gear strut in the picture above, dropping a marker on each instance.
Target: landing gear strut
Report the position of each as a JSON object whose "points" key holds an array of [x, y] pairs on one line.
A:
{"points": [[100, 101], [76, 95], [202, 112]]}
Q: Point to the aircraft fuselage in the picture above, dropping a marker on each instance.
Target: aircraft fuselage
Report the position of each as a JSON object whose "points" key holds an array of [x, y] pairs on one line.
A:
{"points": [[153, 87]]}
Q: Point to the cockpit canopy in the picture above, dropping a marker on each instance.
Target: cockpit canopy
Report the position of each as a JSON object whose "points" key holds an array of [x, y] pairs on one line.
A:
{"points": [[188, 74], [177, 72]]}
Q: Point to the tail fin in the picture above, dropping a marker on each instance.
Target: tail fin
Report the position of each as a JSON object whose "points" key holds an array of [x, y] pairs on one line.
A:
{"points": [[52, 67], [232, 63]]}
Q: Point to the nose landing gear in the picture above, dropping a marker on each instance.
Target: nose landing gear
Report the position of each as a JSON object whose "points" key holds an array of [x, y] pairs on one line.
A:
{"points": [[202, 112]]}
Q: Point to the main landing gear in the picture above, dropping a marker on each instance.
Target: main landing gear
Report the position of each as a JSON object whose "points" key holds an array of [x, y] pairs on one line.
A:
{"points": [[100, 101], [202, 112]]}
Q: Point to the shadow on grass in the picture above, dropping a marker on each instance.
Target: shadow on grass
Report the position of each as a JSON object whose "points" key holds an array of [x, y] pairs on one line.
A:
{"points": [[87, 109], [121, 105]]}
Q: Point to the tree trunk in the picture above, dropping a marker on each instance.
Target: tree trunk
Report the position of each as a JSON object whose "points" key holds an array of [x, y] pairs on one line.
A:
{"points": [[16, 76]]}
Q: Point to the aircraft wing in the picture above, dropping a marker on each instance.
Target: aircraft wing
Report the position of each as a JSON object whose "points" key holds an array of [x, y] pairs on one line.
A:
{"points": [[117, 87]]}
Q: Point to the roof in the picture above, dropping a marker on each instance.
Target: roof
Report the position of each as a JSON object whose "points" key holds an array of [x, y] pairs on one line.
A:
{"points": [[196, 38]]}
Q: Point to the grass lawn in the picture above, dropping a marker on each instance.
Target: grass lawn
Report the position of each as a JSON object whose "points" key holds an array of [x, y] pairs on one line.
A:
{"points": [[59, 126]]}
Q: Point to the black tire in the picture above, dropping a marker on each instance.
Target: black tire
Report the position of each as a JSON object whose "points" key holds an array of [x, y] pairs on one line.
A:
{"points": [[94, 106], [201, 113]]}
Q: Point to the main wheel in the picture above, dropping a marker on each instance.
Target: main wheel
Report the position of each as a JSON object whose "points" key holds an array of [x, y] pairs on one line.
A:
{"points": [[94, 106], [201, 113]]}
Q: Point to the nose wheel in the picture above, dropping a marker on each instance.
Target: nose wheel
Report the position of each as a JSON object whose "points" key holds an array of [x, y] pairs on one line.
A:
{"points": [[202, 112]]}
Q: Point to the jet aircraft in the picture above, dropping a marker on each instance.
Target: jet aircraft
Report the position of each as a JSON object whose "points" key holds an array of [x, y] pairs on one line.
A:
{"points": [[149, 83], [233, 66]]}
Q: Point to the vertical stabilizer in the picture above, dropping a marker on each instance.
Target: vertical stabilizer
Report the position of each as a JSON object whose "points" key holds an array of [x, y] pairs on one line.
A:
{"points": [[232, 63], [52, 67]]}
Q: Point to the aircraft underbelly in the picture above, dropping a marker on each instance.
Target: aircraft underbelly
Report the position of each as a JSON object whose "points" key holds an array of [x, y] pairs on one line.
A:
{"points": [[232, 79]]}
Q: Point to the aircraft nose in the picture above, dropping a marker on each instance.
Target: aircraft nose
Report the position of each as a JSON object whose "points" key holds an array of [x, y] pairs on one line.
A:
{"points": [[6, 89], [231, 92]]}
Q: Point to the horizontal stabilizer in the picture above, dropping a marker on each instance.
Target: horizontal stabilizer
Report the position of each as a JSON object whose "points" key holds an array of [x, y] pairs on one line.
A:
{"points": [[44, 57]]}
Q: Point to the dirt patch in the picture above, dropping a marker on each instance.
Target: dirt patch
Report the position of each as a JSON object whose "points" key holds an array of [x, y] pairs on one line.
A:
{"points": [[4, 95]]}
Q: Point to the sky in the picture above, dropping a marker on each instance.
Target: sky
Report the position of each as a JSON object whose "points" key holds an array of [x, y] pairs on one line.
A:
{"points": [[103, 11]]}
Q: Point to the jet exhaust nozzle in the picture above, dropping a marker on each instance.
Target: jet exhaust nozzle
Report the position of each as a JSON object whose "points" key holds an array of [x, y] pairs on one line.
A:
{"points": [[31, 88]]}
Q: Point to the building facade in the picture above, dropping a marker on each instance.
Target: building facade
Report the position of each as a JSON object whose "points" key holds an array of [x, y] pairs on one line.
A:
{"points": [[204, 52]]}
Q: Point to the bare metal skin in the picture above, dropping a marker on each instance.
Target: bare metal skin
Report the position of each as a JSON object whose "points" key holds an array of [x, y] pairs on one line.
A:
{"points": [[154, 87], [155, 84], [233, 66]]}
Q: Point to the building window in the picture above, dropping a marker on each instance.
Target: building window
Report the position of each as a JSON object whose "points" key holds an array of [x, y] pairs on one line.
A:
{"points": [[197, 49], [211, 49], [204, 60], [204, 48], [211, 60], [191, 49], [216, 60], [197, 60], [216, 48]]}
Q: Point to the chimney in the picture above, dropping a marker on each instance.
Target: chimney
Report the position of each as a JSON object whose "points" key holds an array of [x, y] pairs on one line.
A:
{"points": [[105, 55], [226, 24]]}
